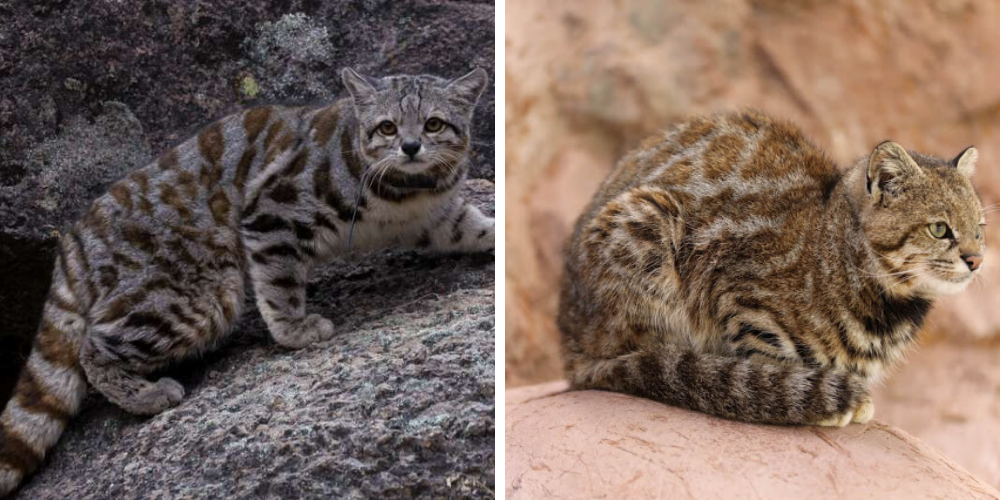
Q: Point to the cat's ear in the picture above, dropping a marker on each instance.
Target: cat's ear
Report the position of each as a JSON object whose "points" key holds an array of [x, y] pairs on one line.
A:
{"points": [[357, 85], [468, 88], [965, 162], [889, 167]]}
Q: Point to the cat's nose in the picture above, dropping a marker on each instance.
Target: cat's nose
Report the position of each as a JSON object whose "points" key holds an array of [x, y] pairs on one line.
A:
{"points": [[973, 260], [411, 148]]}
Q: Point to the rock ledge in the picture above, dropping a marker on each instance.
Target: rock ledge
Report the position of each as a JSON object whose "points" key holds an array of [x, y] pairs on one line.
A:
{"points": [[605, 445]]}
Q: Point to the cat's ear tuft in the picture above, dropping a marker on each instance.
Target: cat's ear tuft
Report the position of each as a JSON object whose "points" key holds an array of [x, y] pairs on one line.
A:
{"points": [[965, 162], [471, 86], [357, 85], [889, 167]]}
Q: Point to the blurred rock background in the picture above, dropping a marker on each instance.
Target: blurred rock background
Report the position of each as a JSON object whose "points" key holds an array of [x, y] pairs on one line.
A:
{"points": [[91, 90], [586, 80]]}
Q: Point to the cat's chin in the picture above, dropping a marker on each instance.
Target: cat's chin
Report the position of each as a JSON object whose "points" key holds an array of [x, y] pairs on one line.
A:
{"points": [[938, 286], [412, 167], [418, 166]]}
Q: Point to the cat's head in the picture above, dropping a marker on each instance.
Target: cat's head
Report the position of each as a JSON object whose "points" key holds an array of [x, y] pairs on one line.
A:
{"points": [[413, 123], [924, 219]]}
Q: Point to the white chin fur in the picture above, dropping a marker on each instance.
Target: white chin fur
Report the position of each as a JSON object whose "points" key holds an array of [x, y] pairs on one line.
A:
{"points": [[942, 287]]}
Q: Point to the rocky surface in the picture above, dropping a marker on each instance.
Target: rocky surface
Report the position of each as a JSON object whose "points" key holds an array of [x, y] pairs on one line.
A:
{"points": [[592, 444], [587, 80], [180, 64], [401, 401], [399, 404], [948, 394]]}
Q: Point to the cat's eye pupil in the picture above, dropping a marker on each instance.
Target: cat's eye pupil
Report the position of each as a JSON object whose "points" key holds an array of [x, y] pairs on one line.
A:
{"points": [[387, 128], [433, 125], [939, 229]]}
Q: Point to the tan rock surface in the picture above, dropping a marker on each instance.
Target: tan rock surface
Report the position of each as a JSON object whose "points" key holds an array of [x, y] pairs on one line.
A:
{"points": [[586, 80], [594, 444], [948, 394]]}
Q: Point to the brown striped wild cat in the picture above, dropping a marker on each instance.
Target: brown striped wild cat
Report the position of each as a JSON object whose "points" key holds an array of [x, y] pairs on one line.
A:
{"points": [[727, 266], [156, 271]]}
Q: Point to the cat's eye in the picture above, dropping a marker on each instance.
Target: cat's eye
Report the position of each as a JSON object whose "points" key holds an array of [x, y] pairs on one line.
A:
{"points": [[979, 231], [433, 125], [938, 229], [387, 128]]}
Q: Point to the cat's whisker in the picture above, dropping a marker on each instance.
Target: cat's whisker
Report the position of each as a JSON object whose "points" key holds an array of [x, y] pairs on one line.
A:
{"points": [[368, 172]]}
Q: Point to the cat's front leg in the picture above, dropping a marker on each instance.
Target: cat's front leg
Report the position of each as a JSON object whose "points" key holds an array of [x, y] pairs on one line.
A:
{"points": [[279, 274], [463, 229]]}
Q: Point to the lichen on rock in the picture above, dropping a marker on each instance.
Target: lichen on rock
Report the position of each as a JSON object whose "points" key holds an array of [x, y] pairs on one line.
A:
{"points": [[284, 52]]}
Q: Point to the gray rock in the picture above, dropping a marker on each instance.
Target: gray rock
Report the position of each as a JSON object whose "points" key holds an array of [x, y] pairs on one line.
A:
{"points": [[281, 54], [179, 65], [67, 171]]}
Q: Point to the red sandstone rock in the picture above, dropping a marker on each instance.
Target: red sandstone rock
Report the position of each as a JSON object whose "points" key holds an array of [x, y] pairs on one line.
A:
{"points": [[593, 444]]}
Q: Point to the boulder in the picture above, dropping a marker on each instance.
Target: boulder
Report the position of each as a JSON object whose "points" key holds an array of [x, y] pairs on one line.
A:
{"points": [[592, 444]]}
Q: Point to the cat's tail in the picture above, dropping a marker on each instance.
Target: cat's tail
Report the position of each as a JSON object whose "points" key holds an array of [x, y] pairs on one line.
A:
{"points": [[50, 388], [736, 388]]}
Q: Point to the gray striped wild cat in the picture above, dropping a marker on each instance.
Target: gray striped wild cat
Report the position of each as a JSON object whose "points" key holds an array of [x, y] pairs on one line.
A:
{"points": [[156, 271]]}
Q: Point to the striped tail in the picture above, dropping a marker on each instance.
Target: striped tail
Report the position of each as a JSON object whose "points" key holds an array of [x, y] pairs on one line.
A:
{"points": [[743, 389], [49, 390]]}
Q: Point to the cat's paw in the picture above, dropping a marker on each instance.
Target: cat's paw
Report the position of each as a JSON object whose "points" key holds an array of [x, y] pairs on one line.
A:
{"points": [[485, 239], [156, 397], [862, 414], [307, 331]]}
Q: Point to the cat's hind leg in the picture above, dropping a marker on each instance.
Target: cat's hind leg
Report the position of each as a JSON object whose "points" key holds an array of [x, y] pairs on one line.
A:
{"points": [[117, 362], [151, 324]]}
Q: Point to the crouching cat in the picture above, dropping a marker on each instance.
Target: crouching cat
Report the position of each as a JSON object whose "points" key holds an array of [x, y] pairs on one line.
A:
{"points": [[729, 267], [156, 271]]}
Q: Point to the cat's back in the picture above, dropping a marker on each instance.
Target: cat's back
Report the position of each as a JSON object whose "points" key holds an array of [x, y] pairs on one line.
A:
{"points": [[733, 193], [736, 163]]}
